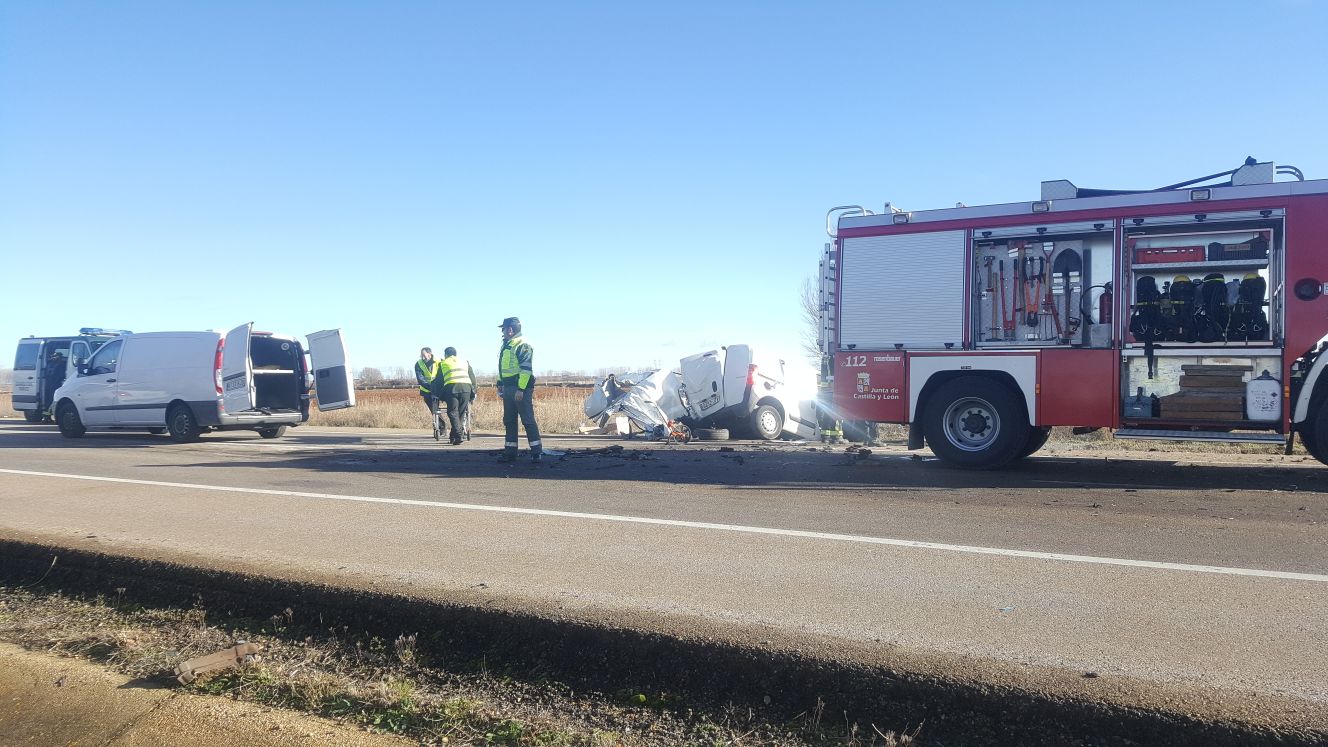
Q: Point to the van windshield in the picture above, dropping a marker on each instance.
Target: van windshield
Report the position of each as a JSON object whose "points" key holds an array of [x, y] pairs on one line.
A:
{"points": [[106, 359]]}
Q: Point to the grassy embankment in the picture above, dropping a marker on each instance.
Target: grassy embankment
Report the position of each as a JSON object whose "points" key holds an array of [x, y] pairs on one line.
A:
{"points": [[392, 685]]}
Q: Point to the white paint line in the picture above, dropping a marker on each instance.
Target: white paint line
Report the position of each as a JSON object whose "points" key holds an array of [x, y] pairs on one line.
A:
{"points": [[1151, 564]]}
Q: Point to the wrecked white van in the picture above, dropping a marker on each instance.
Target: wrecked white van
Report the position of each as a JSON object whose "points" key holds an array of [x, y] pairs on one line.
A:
{"points": [[738, 388], [189, 383]]}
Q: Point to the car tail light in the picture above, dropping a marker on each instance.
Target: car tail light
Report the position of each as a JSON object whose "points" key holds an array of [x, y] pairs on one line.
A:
{"points": [[216, 365], [751, 375]]}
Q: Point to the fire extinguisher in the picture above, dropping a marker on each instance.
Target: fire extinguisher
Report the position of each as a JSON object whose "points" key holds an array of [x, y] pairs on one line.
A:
{"points": [[1104, 305]]}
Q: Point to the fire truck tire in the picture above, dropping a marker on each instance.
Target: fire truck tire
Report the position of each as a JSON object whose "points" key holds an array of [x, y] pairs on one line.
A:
{"points": [[1037, 438], [975, 422], [1314, 435]]}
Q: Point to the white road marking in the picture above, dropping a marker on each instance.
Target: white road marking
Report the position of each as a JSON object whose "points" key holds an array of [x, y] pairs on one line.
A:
{"points": [[1151, 564]]}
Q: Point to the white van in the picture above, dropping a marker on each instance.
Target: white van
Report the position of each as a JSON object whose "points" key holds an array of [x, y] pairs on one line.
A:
{"points": [[42, 364], [737, 388], [189, 383]]}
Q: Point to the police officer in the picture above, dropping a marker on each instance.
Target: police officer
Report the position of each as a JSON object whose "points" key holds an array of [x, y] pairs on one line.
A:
{"points": [[516, 386], [455, 385], [426, 369]]}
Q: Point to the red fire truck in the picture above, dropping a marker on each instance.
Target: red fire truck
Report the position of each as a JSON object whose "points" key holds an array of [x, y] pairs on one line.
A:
{"points": [[1196, 311]]}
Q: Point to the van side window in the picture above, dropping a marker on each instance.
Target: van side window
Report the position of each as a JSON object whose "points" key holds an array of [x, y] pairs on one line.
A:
{"points": [[26, 359], [104, 362]]}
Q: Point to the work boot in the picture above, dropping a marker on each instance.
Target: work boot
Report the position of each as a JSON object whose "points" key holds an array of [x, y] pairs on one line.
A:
{"points": [[537, 457]]}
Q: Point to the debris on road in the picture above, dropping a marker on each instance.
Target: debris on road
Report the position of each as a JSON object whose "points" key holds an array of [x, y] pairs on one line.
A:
{"points": [[235, 656]]}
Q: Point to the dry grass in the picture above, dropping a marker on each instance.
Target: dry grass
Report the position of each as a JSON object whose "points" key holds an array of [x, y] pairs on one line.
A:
{"points": [[558, 410], [391, 686]]}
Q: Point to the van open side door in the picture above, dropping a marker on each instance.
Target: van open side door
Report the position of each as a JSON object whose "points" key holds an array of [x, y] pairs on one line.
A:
{"points": [[237, 371], [334, 384]]}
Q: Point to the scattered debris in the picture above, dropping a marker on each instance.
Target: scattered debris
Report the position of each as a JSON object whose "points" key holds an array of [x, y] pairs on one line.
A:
{"points": [[237, 655]]}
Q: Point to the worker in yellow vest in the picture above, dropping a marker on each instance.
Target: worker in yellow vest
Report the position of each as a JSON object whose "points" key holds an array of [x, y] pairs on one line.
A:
{"points": [[455, 386], [426, 369], [516, 387]]}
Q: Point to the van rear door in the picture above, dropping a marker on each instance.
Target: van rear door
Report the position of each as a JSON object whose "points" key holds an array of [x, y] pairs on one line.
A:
{"points": [[237, 371], [334, 385], [27, 367], [737, 373], [703, 375]]}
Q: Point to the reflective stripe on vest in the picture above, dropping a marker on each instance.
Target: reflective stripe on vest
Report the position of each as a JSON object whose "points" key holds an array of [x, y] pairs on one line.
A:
{"points": [[455, 370]]}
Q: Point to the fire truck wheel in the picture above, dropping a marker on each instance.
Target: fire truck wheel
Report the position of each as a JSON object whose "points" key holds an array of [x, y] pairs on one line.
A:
{"points": [[1037, 437], [1314, 435], [975, 423]]}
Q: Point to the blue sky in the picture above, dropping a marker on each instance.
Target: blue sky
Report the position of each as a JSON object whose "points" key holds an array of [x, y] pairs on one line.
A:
{"points": [[636, 181]]}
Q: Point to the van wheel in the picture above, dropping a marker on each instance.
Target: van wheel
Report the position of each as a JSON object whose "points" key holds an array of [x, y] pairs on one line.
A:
{"points": [[975, 423], [276, 432], [711, 434], [182, 424], [767, 423], [33, 416], [67, 419], [1037, 438]]}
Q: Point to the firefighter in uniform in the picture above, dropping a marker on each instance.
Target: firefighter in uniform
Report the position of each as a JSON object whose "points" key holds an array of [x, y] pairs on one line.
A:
{"points": [[516, 387], [455, 386], [426, 370], [832, 429]]}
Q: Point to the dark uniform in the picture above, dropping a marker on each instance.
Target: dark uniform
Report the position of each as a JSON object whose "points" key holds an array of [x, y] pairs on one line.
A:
{"points": [[455, 384], [516, 385]]}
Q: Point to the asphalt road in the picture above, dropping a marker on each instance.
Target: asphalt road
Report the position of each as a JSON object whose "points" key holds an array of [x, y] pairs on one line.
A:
{"points": [[1196, 581]]}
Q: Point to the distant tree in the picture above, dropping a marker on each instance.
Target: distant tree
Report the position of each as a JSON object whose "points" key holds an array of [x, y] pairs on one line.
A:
{"points": [[399, 374], [6, 379], [810, 308], [370, 375]]}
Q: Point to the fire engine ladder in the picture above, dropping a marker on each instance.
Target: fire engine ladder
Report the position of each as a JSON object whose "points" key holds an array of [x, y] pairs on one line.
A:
{"points": [[1159, 434], [828, 280], [826, 305]]}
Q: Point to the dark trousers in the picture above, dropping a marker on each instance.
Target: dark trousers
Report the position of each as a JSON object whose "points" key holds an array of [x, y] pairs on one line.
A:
{"points": [[457, 397], [525, 410]]}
